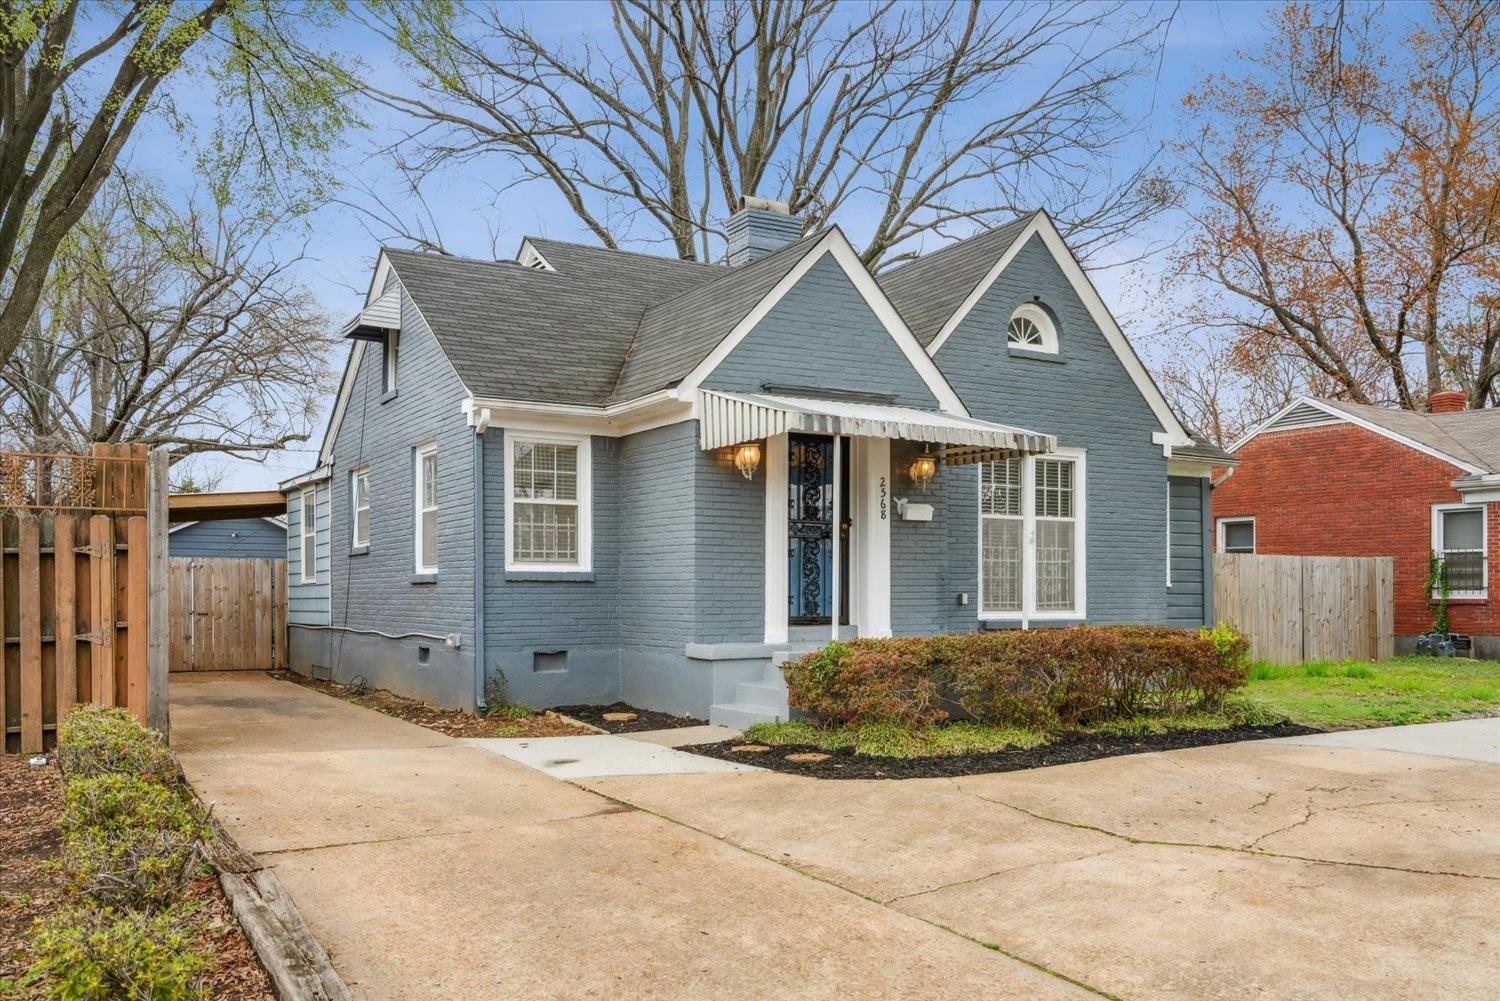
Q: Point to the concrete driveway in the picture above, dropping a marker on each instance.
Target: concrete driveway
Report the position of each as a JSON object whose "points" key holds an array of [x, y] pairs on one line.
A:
{"points": [[1276, 869]]}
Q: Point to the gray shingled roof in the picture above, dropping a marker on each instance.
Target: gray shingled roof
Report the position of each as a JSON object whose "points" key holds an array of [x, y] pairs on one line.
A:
{"points": [[930, 289], [552, 337], [1202, 448], [1472, 436], [678, 333]]}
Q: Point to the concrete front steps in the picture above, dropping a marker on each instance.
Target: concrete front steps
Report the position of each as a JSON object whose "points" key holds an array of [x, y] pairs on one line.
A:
{"points": [[760, 697]]}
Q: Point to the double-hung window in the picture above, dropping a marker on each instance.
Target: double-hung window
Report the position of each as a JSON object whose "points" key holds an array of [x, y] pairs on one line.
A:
{"points": [[308, 528], [547, 503], [359, 508], [1458, 537], [426, 492], [1031, 562]]}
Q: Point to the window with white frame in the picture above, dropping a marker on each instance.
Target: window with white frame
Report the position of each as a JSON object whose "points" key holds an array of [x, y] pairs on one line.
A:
{"points": [[426, 493], [309, 532], [547, 501], [1236, 535], [359, 507], [1031, 327], [1031, 537], [391, 347], [1458, 537]]}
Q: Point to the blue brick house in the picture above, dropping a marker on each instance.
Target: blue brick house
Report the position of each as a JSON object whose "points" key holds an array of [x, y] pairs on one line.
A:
{"points": [[601, 475]]}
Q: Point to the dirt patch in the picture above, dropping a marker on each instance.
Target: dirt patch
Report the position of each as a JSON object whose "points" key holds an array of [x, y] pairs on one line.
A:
{"points": [[645, 719], [845, 764], [453, 722], [30, 801]]}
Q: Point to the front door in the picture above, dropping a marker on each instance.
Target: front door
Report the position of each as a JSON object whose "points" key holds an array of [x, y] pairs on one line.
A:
{"points": [[815, 496]]}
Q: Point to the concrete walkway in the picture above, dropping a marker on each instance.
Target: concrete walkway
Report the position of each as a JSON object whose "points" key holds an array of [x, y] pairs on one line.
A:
{"points": [[433, 869]]}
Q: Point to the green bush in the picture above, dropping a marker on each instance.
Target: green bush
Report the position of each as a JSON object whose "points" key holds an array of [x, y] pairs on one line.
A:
{"points": [[1041, 678], [89, 954], [95, 740], [129, 843]]}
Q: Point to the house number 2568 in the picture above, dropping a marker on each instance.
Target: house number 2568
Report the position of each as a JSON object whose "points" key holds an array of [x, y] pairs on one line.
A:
{"points": [[882, 498]]}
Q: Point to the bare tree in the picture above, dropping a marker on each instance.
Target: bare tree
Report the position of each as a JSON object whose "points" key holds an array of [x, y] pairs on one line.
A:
{"points": [[177, 328], [1346, 201], [77, 80], [930, 118]]}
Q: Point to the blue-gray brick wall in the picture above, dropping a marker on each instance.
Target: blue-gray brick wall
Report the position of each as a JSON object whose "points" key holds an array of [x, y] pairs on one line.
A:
{"points": [[1085, 397], [374, 590], [730, 556], [822, 334], [1188, 599], [308, 603], [242, 538]]}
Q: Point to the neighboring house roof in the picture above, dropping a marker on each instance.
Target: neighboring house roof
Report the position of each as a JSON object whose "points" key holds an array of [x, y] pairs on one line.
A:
{"points": [[930, 289], [1202, 448], [1469, 439]]}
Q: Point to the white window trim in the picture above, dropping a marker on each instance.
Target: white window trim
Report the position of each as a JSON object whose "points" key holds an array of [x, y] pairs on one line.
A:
{"points": [[419, 485], [1169, 534], [1254, 533], [1044, 323], [1438, 511], [1028, 612], [584, 444], [355, 542], [309, 520]]}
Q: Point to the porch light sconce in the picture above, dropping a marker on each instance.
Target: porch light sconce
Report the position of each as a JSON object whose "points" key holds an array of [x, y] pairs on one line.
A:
{"points": [[747, 458], [923, 468]]}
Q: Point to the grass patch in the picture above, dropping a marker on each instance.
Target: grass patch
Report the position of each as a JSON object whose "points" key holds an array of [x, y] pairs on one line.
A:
{"points": [[1388, 692], [892, 740]]}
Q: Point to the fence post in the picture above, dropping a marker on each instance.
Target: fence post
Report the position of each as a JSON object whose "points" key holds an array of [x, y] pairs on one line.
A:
{"points": [[158, 715]]}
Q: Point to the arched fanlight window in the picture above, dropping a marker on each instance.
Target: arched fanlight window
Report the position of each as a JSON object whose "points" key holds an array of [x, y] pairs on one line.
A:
{"points": [[1031, 327]]}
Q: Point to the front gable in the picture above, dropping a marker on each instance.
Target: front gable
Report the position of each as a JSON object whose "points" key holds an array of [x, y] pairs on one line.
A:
{"points": [[822, 334]]}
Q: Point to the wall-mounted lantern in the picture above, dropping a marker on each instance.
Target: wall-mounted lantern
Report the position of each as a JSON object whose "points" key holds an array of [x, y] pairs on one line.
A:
{"points": [[747, 458], [923, 468]]}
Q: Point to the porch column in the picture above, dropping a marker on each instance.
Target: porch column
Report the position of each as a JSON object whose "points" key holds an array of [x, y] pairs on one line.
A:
{"points": [[872, 525], [776, 542]]}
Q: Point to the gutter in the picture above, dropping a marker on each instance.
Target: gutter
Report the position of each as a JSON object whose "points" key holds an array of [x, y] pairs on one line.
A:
{"points": [[479, 703]]}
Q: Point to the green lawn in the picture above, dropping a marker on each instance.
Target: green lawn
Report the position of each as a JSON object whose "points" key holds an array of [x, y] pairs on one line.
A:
{"points": [[1342, 695], [1377, 693]]}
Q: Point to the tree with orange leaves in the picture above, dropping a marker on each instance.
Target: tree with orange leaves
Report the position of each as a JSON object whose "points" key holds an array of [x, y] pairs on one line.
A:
{"points": [[1344, 198]]}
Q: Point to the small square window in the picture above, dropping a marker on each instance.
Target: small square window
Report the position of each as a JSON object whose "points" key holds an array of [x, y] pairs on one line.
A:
{"points": [[1237, 536]]}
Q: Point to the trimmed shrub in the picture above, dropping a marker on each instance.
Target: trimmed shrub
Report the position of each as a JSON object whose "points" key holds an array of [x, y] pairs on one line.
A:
{"points": [[89, 954], [1033, 678], [129, 843], [95, 740]]}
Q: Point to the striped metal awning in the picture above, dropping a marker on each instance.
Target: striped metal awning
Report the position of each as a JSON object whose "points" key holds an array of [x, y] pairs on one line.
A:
{"points": [[733, 418]]}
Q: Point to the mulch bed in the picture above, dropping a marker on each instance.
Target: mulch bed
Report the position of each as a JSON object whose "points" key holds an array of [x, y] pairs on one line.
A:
{"points": [[30, 801], [645, 719], [453, 722], [1066, 750]]}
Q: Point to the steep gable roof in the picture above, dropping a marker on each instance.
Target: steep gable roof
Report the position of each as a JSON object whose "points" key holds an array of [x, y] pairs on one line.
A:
{"points": [[558, 336], [678, 333], [930, 289]]}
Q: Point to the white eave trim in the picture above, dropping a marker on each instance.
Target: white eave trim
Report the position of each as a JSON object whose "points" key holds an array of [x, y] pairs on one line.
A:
{"points": [[1041, 224], [1385, 432], [318, 475], [837, 245], [657, 410], [1480, 489]]}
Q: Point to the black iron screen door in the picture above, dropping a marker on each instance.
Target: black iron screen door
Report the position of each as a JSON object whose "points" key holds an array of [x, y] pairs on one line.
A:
{"points": [[810, 531]]}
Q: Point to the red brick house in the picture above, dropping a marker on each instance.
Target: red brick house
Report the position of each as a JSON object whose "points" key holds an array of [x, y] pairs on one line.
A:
{"points": [[1324, 478]]}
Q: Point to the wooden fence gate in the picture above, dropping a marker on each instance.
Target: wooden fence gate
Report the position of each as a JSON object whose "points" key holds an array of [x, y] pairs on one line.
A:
{"points": [[227, 614], [1307, 608], [82, 588]]}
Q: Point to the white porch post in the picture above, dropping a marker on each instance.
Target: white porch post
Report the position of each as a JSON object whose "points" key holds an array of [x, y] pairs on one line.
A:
{"points": [[776, 537], [835, 596], [872, 522]]}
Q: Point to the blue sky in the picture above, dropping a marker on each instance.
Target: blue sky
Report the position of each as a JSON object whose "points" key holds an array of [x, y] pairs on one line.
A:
{"points": [[467, 211]]}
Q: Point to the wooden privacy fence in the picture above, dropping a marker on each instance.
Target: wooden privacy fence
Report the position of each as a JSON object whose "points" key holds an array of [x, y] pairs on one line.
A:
{"points": [[1306, 608], [80, 598], [227, 614]]}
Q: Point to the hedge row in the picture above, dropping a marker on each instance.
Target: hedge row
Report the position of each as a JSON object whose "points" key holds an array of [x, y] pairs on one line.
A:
{"points": [[132, 838], [1045, 678]]}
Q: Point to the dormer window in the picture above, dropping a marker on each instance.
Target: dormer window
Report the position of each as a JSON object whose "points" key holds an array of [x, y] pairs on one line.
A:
{"points": [[1031, 329]]}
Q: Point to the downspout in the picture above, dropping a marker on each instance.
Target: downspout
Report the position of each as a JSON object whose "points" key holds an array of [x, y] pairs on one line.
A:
{"points": [[479, 654]]}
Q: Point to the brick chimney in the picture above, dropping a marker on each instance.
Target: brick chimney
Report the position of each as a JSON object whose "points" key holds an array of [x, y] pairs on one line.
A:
{"points": [[760, 227], [1449, 401]]}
